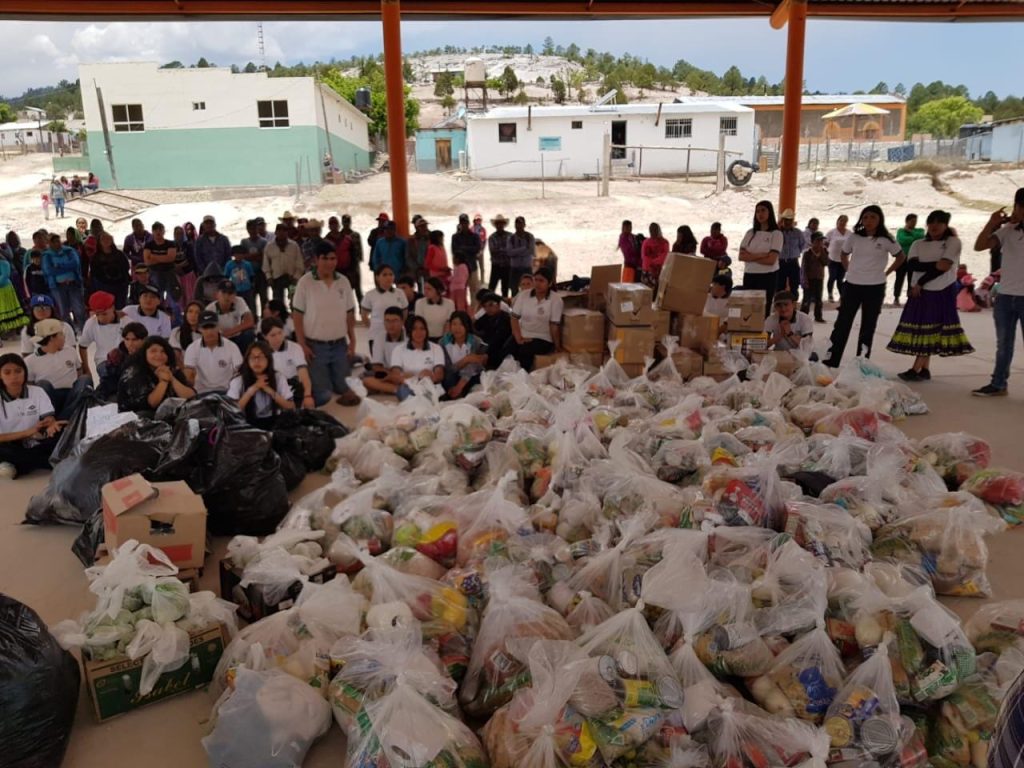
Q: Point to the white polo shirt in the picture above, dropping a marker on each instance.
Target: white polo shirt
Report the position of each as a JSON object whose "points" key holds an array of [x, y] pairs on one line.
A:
{"points": [[233, 317], [416, 360], [156, 325], [382, 351], [836, 241], [324, 307], [1011, 275], [264, 403], [106, 337], [932, 252], [288, 359], [25, 412], [60, 368], [215, 368], [376, 303], [801, 325], [535, 317], [28, 346], [759, 241], [436, 315], [869, 257]]}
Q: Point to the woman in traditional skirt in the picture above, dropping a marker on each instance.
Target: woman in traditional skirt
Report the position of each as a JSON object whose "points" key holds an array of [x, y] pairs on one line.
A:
{"points": [[12, 315], [930, 324]]}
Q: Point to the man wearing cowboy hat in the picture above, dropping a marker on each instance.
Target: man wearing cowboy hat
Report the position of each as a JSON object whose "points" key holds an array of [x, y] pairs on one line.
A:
{"points": [[288, 219], [379, 231], [788, 276], [497, 246]]}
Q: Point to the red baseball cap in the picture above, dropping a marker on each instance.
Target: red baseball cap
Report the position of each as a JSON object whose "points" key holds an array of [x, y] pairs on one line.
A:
{"points": [[383, 216], [100, 301]]}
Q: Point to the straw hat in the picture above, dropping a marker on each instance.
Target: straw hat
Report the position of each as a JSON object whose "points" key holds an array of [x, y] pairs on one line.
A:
{"points": [[287, 215], [499, 219]]}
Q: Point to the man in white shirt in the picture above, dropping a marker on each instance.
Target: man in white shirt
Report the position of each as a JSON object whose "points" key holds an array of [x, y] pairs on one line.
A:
{"points": [[211, 362], [54, 367], [380, 377], [148, 312], [324, 311], [1007, 234], [233, 316], [101, 329]]}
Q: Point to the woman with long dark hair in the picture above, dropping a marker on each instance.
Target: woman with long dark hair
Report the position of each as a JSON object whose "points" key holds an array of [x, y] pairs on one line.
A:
{"points": [[865, 256], [536, 321], [759, 252], [418, 359], [262, 393], [466, 356], [109, 270], [685, 242], [28, 429], [187, 332], [151, 376], [930, 323]]}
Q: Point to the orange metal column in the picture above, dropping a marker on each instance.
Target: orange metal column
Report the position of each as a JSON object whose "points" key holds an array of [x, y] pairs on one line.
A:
{"points": [[797, 12], [391, 16]]}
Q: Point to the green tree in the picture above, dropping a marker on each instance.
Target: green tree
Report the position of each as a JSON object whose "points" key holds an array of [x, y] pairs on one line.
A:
{"points": [[881, 89], [250, 68], [943, 117], [558, 89], [572, 53], [549, 47], [732, 82], [7, 113], [528, 50], [522, 98], [448, 102], [900, 89], [989, 102], [612, 83], [444, 85], [407, 71], [509, 82], [173, 65], [202, 63], [1010, 107], [56, 126], [346, 87]]}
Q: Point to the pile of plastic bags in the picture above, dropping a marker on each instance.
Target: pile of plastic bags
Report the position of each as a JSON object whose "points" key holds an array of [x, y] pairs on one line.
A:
{"points": [[576, 568]]}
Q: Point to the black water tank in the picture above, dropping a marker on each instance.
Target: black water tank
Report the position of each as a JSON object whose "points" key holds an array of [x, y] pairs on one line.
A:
{"points": [[363, 99]]}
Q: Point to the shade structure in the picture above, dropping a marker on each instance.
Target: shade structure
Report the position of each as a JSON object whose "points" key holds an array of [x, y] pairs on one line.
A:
{"points": [[855, 110]]}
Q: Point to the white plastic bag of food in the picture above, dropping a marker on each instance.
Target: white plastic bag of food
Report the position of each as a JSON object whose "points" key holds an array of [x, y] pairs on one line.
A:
{"points": [[807, 673]]}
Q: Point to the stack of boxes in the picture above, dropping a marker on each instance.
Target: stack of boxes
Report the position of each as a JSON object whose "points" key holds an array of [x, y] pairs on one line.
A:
{"points": [[583, 335], [631, 316]]}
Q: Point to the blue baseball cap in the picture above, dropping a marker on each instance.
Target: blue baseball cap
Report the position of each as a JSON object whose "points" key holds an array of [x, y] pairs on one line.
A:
{"points": [[41, 300]]}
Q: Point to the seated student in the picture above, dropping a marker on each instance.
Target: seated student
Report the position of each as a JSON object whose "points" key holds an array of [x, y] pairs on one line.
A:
{"points": [[111, 369], [42, 307], [275, 308], [536, 322], [407, 285], [211, 361], [140, 281], [787, 327], [479, 299], [289, 361], [466, 355], [419, 359], [233, 316], [377, 300], [717, 303], [494, 328], [101, 329], [149, 313], [380, 378], [54, 367], [526, 283], [150, 377], [435, 308], [187, 332], [261, 392], [28, 428]]}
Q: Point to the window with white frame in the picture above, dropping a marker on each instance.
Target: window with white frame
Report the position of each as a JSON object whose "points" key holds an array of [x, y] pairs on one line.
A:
{"points": [[198, 106], [506, 133], [577, 125], [127, 118], [272, 114], [727, 126], [679, 128]]}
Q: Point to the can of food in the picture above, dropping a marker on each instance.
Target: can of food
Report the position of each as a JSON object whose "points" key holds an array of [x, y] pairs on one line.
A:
{"points": [[879, 736], [606, 668], [839, 730], [626, 663], [729, 637], [859, 704], [639, 693], [670, 692]]}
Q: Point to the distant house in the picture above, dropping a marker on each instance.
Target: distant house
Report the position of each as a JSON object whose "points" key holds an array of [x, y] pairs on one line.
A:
{"points": [[25, 136], [1008, 140], [209, 127], [438, 148], [510, 142]]}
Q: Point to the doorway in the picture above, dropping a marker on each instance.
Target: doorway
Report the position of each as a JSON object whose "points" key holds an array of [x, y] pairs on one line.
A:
{"points": [[618, 138], [443, 154]]}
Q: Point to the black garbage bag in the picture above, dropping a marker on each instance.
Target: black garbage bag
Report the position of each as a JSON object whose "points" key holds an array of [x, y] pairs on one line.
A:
{"points": [[197, 427], [293, 469], [308, 434], [89, 541], [252, 501], [74, 432], [38, 690], [73, 495]]}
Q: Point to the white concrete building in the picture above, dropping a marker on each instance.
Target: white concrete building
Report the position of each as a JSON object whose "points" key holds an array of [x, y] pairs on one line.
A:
{"points": [[25, 136], [509, 142], [179, 128]]}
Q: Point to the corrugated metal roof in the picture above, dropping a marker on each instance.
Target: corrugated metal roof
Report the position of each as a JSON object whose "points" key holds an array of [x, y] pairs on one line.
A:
{"points": [[689, 107], [821, 98]]}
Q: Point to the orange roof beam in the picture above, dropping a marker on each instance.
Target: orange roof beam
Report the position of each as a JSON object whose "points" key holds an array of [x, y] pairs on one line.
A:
{"points": [[391, 18], [794, 14]]}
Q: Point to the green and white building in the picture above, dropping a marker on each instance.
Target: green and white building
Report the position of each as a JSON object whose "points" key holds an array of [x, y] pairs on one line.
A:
{"points": [[210, 127]]}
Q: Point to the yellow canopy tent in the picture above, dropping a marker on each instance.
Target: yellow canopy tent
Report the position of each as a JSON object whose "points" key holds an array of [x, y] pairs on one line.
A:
{"points": [[855, 111]]}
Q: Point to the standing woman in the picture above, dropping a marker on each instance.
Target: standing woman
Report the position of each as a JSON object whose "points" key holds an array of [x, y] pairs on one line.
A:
{"points": [[685, 242], [28, 429], [759, 251], [930, 324], [536, 322], [261, 392], [151, 376], [109, 270], [653, 253], [836, 239], [436, 260], [12, 316], [865, 256], [185, 264]]}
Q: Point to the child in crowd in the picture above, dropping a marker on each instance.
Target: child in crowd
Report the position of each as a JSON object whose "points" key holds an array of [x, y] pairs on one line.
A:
{"points": [[211, 361], [28, 427], [262, 392], [717, 302], [112, 368], [101, 329], [242, 273], [380, 378], [435, 308], [289, 360], [54, 366], [407, 285], [494, 327], [965, 298], [813, 265], [480, 302], [150, 377], [380, 299], [466, 355], [525, 284], [459, 282], [788, 328], [275, 308], [236, 321], [35, 278]]}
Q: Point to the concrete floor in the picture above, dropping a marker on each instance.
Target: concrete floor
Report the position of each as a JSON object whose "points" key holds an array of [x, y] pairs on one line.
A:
{"points": [[40, 570]]}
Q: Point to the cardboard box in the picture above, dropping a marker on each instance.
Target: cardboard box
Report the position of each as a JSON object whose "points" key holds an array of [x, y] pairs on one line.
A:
{"points": [[600, 278], [582, 330], [113, 685], [574, 299], [785, 363], [636, 343], [544, 361], [746, 310], [699, 332], [714, 368], [630, 304], [747, 342], [684, 281], [688, 362], [593, 359], [168, 516], [252, 605], [662, 324]]}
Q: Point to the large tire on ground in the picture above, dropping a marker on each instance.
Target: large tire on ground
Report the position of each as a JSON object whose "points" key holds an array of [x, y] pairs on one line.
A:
{"points": [[740, 172]]}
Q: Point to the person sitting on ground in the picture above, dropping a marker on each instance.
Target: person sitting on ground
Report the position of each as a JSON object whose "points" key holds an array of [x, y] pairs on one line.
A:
{"points": [[276, 309], [42, 307], [54, 366], [102, 329], [466, 354], [93, 182], [494, 328], [419, 359], [150, 377], [379, 377], [211, 361], [536, 322], [261, 391], [480, 302], [112, 368], [965, 298], [717, 302], [187, 332], [407, 285], [788, 328], [289, 361], [28, 427], [233, 315], [435, 308], [149, 313], [376, 301]]}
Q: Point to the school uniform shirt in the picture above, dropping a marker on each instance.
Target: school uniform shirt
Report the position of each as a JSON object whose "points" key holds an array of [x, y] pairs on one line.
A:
{"points": [[264, 403], [375, 303], [717, 307], [324, 308], [932, 252], [869, 258], [801, 325], [175, 338], [215, 368], [105, 336], [759, 241], [59, 369], [28, 346], [232, 318], [535, 316], [21, 413], [836, 241], [1011, 276], [288, 359], [416, 360], [456, 352], [156, 325], [436, 315], [382, 352]]}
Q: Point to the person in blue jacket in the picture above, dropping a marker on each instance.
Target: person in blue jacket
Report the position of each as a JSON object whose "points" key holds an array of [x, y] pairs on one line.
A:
{"points": [[389, 250], [63, 270]]}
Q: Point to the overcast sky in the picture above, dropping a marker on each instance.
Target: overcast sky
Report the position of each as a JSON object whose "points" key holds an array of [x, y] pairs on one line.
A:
{"points": [[841, 56]]}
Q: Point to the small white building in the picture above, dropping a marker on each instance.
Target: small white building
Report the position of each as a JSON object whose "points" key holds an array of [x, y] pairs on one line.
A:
{"points": [[26, 136], [647, 139]]}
